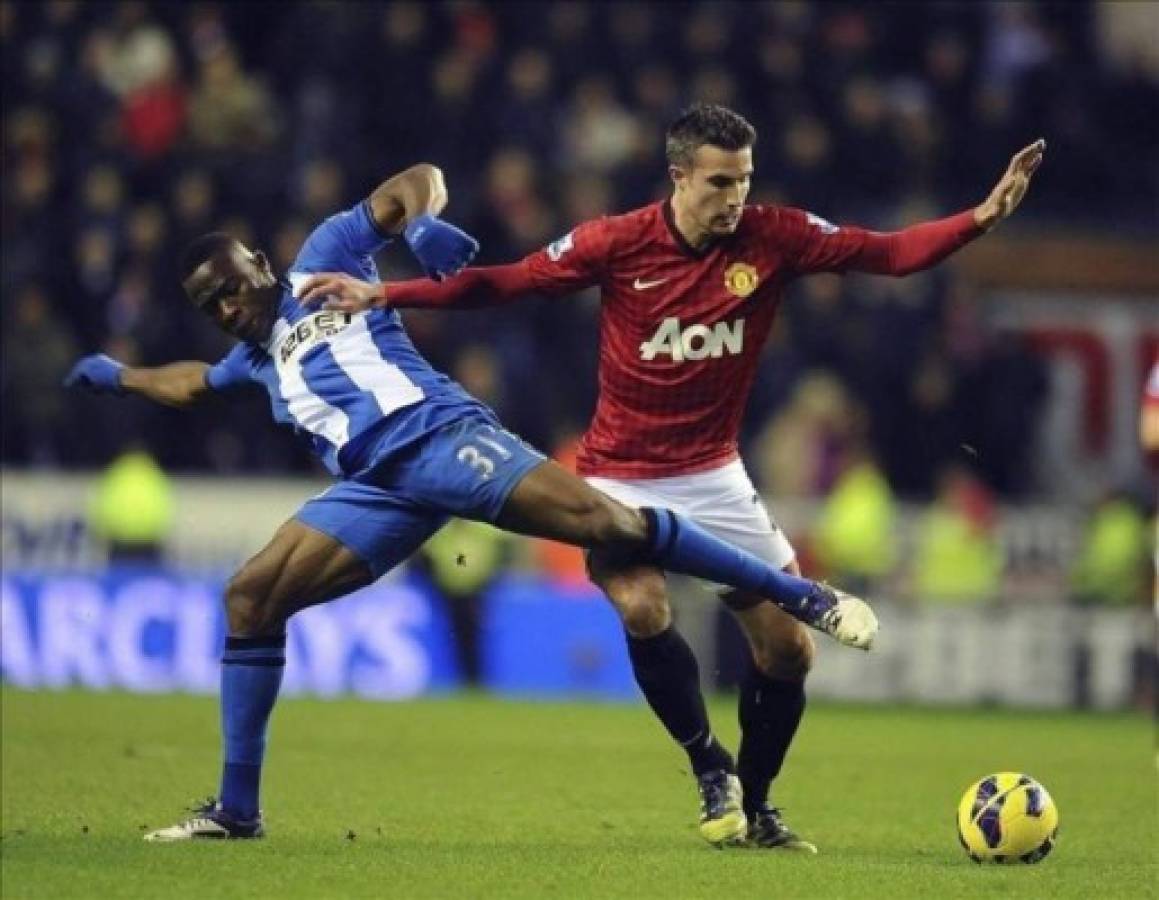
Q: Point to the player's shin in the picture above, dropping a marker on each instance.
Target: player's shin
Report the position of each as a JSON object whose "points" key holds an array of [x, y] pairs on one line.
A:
{"points": [[251, 675], [669, 678], [679, 545], [769, 711]]}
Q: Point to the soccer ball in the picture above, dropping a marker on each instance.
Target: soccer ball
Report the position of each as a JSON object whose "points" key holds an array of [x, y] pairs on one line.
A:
{"points": [[1005, 818]]}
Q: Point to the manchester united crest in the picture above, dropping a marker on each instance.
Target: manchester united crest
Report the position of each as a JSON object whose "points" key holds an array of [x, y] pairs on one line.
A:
{"points": [[741, 279]]}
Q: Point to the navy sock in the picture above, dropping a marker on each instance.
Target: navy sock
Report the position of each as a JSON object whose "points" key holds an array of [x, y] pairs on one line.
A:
{"points": [[251, 674], [769, 711], [680, 545], [666, 670]]}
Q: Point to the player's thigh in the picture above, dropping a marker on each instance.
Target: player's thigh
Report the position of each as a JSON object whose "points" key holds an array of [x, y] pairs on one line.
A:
{"points": [[299, 567], [475, 469], [374, 526], [551, 502], [725, 503]]}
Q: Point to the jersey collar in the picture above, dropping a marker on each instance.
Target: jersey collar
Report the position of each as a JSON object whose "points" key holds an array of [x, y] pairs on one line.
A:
{"points": [[685, 248]]}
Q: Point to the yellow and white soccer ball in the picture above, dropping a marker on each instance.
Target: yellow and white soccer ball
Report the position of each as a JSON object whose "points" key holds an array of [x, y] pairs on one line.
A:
{"points": [[1007, 818]]}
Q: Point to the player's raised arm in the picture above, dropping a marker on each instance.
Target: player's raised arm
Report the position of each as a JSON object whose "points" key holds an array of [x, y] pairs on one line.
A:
{"points": [[409, 203], [575, 261], [470, 289], [822, 247], [177, 384]]}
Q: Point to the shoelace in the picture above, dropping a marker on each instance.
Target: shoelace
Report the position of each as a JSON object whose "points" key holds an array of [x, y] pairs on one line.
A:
{"points": [[202, 808], [831, 619], [769, 814], [713, 794]]}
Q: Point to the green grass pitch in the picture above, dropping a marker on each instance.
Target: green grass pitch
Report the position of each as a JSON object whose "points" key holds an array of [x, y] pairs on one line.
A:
{"points": [[476, 797]]}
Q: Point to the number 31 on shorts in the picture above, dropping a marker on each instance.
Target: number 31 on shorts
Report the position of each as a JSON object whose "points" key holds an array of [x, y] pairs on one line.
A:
{"points": [[483, 460]]}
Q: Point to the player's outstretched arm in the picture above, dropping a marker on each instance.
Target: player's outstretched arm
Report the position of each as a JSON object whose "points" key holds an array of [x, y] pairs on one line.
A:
{"points": [[821, 247], [918, 247], [409, 203], [177, 384], [470, 289]]}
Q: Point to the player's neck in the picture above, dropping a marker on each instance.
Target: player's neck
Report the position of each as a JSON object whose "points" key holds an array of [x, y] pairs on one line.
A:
{"points": [[696, 237]]}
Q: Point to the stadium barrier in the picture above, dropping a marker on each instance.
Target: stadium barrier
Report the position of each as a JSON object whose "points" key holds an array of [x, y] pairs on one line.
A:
{"points": [[158, 630]]}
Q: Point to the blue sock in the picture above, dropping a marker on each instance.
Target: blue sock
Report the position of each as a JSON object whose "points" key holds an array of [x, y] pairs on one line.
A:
{"points": [[680, 545], [251, 674]]}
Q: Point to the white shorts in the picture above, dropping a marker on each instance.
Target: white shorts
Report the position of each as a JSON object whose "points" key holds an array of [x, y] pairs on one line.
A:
{"points": [[722, 501]]}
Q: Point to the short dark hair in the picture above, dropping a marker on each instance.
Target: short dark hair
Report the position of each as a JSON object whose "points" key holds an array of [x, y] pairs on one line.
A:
{"points": [[202, 248], [706, 123]]}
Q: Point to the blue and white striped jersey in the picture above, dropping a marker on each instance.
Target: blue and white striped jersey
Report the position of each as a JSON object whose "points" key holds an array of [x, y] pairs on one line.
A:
{"points": [[353, 385]]}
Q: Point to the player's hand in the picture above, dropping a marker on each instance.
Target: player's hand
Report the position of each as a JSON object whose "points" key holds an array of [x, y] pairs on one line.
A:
{"points": [[1012, 187], [99, 373], [337, 290], [440, 247]]}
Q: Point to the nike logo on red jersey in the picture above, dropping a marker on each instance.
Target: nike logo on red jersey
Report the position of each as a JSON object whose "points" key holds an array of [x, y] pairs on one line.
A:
{"points": [[644, 285]]}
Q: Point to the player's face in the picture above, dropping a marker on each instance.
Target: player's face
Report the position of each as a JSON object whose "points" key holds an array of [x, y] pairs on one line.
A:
{"points": [[711, 194], [238, 290]]}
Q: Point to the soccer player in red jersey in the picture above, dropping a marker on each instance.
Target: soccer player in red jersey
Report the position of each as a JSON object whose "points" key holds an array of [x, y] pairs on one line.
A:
{"points": [[690, 287]]}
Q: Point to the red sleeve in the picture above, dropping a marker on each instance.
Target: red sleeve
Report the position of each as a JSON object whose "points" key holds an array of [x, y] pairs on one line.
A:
{"points": [[574, 262], [815, 245], [570, 264], [471, 288]]}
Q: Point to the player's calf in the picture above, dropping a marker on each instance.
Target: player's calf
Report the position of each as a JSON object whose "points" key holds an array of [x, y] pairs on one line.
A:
{"points": [[782, 647]]}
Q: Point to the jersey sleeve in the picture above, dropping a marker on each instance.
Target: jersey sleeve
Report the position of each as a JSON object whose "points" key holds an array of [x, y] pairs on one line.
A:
{"points": [[345, 242], [813, 244], [576, 261], [232, 371]]}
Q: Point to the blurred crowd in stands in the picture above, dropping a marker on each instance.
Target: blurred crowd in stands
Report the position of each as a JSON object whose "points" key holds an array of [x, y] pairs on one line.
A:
{"points": [[130, 128]]}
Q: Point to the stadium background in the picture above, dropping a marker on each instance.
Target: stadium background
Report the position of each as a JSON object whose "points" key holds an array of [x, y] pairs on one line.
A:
{"points": [[961, 444]]}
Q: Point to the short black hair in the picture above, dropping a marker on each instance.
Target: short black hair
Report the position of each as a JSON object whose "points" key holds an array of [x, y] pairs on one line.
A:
{"points": [[706, 123], [202, 248]]}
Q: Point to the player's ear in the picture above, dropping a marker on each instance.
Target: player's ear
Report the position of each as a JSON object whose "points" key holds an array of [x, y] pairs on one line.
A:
{"points": [[679, 177], [262, 262]]}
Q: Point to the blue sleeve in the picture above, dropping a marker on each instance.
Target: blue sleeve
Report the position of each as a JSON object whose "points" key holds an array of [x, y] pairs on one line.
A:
{"points": [[232, 371], [345, 242]]}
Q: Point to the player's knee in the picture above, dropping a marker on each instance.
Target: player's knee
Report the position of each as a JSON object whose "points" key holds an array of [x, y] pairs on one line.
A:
{"points": [[250, 607], [612, 528], [640, 599], [789, 656], [645, 616]]}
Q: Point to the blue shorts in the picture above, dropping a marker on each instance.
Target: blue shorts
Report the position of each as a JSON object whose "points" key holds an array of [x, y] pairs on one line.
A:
{"points": [[467, 469]]}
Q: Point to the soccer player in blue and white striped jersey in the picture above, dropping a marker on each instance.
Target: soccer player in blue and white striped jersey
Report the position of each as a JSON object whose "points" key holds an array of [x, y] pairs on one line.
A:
{"points": [[411, 448]]}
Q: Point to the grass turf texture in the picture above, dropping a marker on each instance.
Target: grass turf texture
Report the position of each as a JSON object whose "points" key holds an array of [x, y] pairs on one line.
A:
{"points": [[475, 797]]}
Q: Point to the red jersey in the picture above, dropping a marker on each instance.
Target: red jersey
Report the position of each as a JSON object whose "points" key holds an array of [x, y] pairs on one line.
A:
{"points": [[681, 330]]}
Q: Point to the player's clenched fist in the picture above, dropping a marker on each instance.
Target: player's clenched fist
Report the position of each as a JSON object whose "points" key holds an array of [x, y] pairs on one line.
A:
{"points": [[440, 247], [98, 373]]}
